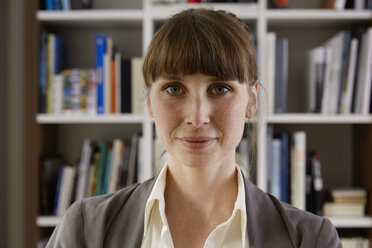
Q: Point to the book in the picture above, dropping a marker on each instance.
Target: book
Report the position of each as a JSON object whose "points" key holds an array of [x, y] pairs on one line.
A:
{"points": [[281, 75], [363, 98], [43, 71], [276, 168], [106, 175], [347, 97], [133, 160], [144, 172], [349, 195], [116, 160], [271, 54], [118, 82], [107, 74], [354, 242], [101, 168], [83, 170], [314, 183], [333, 73], [126, 87], [100, 51], [315, 75], [64, 189], [49, 173], [332, 209], [298, 170], [284, 174], [138, 86]]}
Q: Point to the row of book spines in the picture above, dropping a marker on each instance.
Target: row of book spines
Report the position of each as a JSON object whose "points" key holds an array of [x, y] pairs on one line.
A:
{"points": [[294, 174], [100, 170], [118, 82], [65, 4], [339, 74]]}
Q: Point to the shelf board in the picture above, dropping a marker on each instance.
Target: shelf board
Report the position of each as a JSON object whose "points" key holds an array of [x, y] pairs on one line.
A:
{"points": [[339, 222], [89, 119], [318, 15], [349, 222], [47, 221], [164, 11], [318, 119], [93, 17]]}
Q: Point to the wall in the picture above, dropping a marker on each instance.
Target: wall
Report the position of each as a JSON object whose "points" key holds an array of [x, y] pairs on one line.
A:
{"points": [[14, 122], [3, 153]]}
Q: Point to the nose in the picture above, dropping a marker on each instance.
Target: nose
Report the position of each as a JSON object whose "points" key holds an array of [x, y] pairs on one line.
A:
{"points": [[198, 112]]}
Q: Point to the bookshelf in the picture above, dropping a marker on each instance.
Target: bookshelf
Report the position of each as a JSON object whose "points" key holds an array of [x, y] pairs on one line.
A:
{"points": [[304, 25]]}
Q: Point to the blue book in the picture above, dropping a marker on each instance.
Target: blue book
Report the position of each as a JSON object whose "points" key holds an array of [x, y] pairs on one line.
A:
{"points": [[49, 4], [43, 71], [57, 5], [58, 53], [276, 168], [100, 52], [58, 190], [284, 167]]}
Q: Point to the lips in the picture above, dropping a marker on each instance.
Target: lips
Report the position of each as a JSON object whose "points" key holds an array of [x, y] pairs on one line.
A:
{"points": [[199, 142]]}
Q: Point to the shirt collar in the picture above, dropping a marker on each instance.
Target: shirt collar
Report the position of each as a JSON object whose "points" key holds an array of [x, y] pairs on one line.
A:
{"points": [[157, 194]]}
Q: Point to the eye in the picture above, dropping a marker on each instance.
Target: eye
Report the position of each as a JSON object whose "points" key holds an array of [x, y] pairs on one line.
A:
{"points": [[173, 89], [220, 89]]}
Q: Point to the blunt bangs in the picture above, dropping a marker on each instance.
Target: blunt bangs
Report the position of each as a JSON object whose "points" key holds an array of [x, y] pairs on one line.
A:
{"points": [[202, 41]]}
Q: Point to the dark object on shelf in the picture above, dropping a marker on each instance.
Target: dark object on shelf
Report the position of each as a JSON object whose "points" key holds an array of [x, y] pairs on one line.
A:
{"points": [[81, 4], [279, 4]]}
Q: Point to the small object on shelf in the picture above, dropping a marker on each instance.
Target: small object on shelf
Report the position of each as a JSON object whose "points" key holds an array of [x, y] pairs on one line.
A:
{"points": [[279, 3]]}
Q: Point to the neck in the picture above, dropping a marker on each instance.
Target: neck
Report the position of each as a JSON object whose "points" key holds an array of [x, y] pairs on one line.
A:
{"points": [[203, 189]]}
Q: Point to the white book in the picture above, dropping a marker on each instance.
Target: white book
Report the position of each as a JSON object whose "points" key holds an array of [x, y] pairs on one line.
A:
{"points": [[334, 47], [276, 169], [340, 4], [137, 86], [366, 93], [118, 81], [315, 76], [92, 92], [298, 170], [359, 4], [365, 75], [144, 172], [350, 81], [58, 93], [270, 87], [107, 74], [117, 156], [83, 170], [66, 189]]}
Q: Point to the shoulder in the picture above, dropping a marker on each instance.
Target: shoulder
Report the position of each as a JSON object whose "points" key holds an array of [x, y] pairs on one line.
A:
{"points": [[305, 227], [89, 220], [285, 224]]}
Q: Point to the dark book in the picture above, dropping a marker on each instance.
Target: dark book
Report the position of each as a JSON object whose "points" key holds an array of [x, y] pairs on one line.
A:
{"points": [[43, 77], [344, 67], [284, 167], [101, 168], [126, 89], [49, 172], [357, 33], [314, 183], [125, 165]]}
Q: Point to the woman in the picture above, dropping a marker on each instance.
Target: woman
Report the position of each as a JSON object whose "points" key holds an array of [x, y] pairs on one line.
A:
{"points": [[201, 75]]}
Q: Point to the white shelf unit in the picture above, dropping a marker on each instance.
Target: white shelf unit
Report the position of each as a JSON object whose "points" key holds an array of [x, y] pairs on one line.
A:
{"points": [[339, 222], [92, 119], [262, 18]]}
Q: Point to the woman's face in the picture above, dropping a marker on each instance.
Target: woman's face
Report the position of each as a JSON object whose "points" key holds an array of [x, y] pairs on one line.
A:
{"points": [[200, 119]]}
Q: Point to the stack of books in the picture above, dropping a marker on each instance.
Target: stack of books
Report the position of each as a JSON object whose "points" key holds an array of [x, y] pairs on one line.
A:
{"points": [[350, 202]]}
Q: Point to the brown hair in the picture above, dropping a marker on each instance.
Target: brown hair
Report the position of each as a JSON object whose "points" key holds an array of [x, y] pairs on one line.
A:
{"points": [[204, 41]]}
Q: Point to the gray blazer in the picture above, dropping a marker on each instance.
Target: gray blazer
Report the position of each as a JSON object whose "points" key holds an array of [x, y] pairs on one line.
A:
{"points": [[117, 220]]}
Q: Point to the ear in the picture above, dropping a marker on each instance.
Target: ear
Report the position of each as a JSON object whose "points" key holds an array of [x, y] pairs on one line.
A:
{"points": [[149, 107], [253, 101]]}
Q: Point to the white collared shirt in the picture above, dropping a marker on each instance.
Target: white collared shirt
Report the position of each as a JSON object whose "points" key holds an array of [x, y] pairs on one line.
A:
{"points": [[231, 233]]}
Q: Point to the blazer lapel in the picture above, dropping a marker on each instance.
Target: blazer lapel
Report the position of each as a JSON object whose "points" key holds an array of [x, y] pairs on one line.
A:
{"points": [[264, 224], [127, 229]]}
